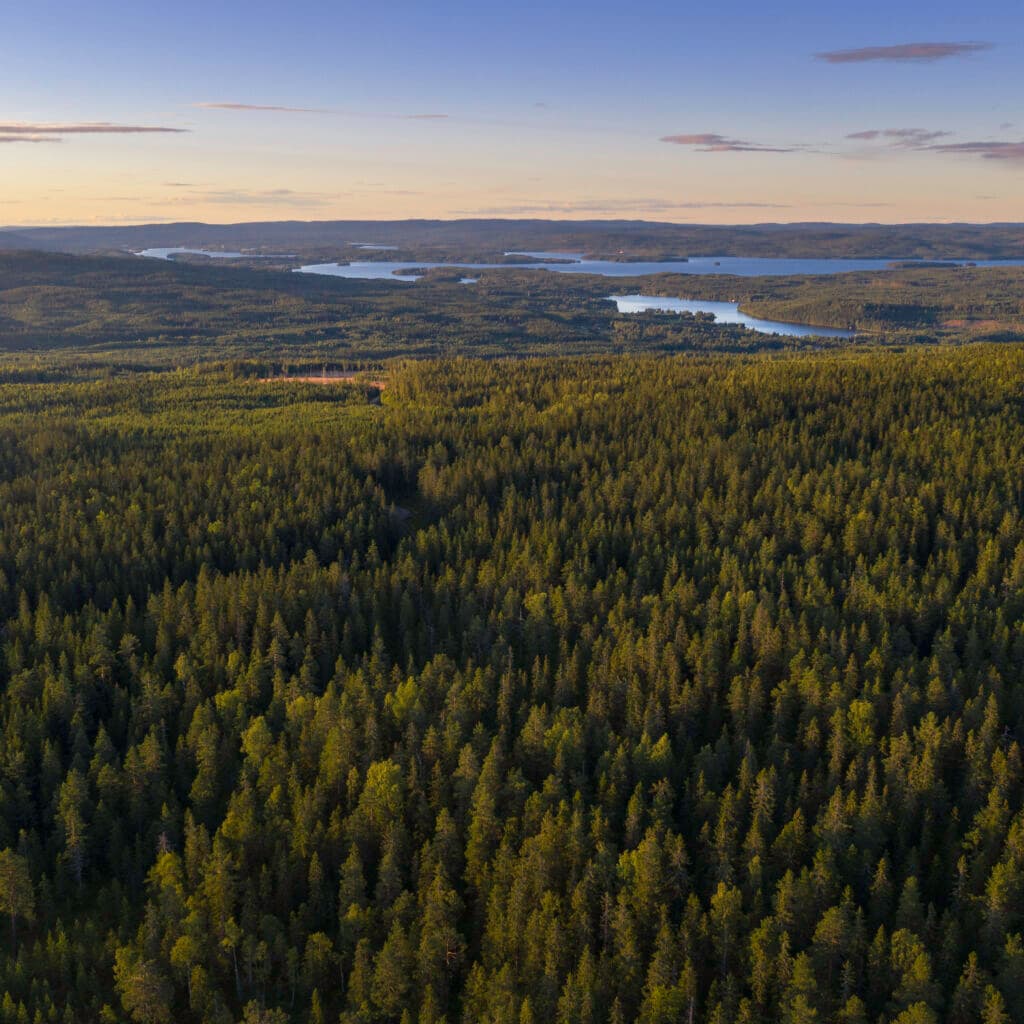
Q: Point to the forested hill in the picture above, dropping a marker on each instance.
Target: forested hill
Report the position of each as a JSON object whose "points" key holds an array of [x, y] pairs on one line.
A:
{"points": [[11, 240], [489, 238], [128, 311], [123, 310], [584, 690]]}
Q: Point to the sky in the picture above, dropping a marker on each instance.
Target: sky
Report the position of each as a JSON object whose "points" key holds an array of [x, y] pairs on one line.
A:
{"points": [[728, 112]]}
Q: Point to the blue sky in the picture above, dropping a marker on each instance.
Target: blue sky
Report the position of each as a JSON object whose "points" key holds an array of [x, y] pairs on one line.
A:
{"points": [[733, 111]]}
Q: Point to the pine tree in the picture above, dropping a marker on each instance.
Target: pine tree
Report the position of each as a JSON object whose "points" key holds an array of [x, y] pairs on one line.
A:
{"points": [[17, 895]]}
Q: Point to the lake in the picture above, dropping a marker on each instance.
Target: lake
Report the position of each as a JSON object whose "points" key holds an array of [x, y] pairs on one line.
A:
{"points": [[724, 313], [576, 263], [213, 254]]}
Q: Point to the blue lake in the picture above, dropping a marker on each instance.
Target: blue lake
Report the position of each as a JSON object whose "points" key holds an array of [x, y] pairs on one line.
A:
{"points": [[214, 254], [724, 313], [573, 263], [576, 263]]}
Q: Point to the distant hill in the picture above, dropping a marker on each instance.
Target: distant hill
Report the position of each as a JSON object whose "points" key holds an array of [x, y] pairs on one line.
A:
{"points": [[628, 239], [19, 240]]}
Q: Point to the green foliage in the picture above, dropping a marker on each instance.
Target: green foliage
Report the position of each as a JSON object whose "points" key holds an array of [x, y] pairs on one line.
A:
{"points": [[488, 239], [117, 313], [17, 894], [582, 690]]}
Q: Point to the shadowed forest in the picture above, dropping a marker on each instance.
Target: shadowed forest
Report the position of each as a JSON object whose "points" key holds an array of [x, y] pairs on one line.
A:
{"points": [[580, 689], [461, 239], [122, 311]]}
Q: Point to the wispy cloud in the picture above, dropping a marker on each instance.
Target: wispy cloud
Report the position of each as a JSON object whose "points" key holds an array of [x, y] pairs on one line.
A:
{"points": [[282, 109], [615, 206], [903, 138], [922, 139], [255, 197], [261, 106], [883, 141], [926, 140], [998, 150], [903, 52], [29, 138], [46, 128], [711, 142]]}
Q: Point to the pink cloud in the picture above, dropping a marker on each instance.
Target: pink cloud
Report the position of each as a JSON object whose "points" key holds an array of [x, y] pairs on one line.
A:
{"points": [[902, 52]]}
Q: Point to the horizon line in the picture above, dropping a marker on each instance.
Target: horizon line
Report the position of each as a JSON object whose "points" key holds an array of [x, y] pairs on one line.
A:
{"points": [[76, 225]]}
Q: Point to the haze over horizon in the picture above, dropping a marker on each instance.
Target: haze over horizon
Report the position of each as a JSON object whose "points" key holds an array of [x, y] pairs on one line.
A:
{"points": [[118, 114]]}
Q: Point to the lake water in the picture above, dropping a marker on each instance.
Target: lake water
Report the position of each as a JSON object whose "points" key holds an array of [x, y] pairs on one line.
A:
{"points": [[213, 254], [377, 270], [724, 313], [575, 263]]}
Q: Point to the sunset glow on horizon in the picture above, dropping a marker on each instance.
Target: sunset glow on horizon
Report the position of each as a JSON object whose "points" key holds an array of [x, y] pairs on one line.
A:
{"points": [[737, 115]]}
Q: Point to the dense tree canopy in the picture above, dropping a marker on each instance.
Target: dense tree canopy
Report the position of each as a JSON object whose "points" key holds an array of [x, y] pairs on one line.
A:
{"points": [[126, 312], [489, 239], [574, 690]]}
